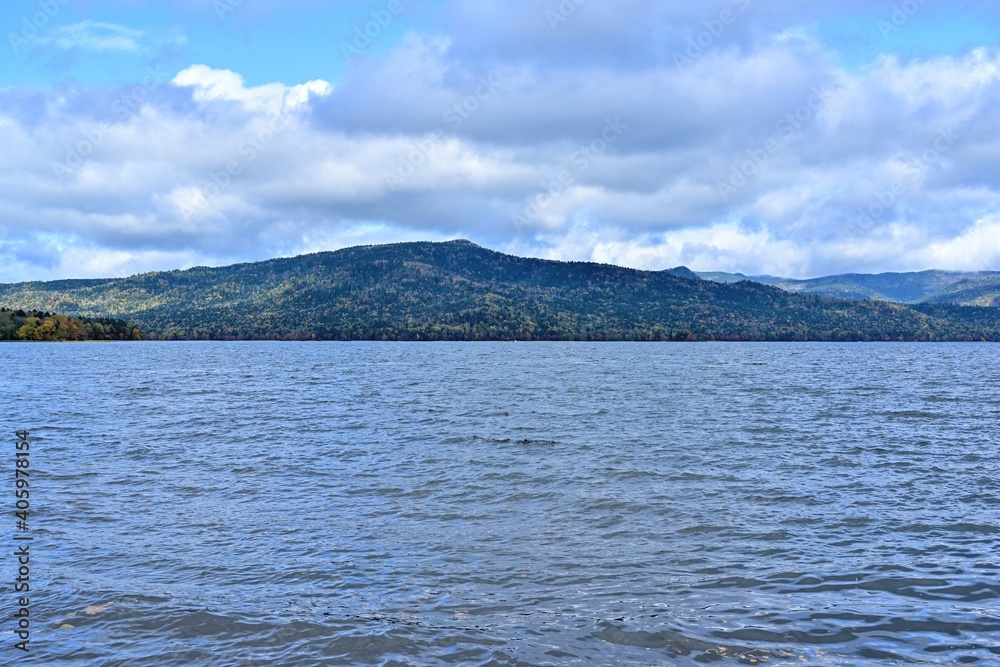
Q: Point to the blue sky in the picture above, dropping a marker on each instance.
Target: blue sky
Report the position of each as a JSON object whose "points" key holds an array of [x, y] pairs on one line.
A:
{"points": [[762, 136], [264, 41], [936, 29]]}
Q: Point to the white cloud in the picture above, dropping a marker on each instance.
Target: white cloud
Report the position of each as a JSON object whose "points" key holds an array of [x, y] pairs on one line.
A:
{"points": [[975, 249], [88, 261], [196, 171], [215, 85], [97, 36], [723, 246]]}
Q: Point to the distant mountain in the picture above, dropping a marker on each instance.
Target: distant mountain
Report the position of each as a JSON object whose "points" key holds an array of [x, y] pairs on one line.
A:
{"points": [[460, 291], [724, 277], [949, 287], [683, 272]]}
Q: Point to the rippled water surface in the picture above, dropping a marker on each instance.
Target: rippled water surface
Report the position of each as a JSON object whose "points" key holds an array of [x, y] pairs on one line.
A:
{"points": [[509, 504]]}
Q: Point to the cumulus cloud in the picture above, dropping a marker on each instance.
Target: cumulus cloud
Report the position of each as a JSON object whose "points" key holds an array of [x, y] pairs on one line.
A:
{"points": [[585, 138], [211, 85], [976, 247]]}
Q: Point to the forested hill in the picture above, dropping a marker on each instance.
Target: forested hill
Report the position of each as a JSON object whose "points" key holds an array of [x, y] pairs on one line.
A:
{"points": [[460, 291], [39, 326]]}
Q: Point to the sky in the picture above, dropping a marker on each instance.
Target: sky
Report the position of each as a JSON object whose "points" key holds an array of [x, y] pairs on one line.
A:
{"points": [[778, 137]]}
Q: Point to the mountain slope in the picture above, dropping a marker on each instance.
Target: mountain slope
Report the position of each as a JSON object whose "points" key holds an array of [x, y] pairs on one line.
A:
{"points": [[460, 291]]}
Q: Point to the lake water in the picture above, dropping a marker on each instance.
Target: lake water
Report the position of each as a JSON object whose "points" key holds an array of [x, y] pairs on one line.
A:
{"points": [[507, 504]]}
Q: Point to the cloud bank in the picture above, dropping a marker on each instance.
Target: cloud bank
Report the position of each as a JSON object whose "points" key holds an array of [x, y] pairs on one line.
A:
{"points": [[727, 135]]}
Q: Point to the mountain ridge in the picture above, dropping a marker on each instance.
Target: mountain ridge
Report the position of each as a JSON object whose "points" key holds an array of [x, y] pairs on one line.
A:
{"points": [[458, 290], [968, 288]]}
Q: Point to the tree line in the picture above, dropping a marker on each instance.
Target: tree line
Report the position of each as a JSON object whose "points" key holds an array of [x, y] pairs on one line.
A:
{"points": [[43, 326]]}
